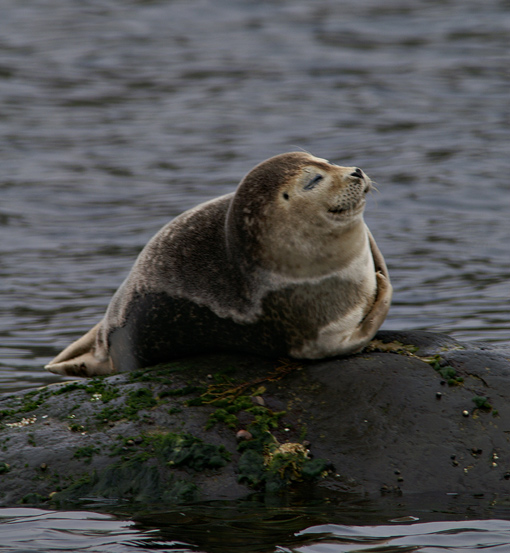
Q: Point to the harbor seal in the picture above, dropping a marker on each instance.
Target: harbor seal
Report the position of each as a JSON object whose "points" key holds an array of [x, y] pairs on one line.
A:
{"points": [[283, 266]]}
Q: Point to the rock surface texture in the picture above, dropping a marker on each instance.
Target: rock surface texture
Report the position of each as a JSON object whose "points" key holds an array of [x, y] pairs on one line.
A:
{"points": [[415, 412]]}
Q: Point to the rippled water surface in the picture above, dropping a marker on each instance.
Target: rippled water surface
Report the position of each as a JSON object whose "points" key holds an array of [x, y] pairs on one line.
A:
{"points": [[116, 115], [248, 527]]}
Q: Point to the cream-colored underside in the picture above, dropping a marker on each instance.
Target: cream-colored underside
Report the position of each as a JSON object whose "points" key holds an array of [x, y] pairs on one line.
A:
{"points": [[341, 336]]}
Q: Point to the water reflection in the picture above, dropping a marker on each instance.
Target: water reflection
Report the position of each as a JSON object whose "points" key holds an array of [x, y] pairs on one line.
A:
{"points": [[492, 535], [336, 523], [31, 530], [329, 525]]}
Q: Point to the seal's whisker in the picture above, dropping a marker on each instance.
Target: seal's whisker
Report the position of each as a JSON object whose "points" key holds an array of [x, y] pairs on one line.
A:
{"points": [[374, 187], [301, 149]]}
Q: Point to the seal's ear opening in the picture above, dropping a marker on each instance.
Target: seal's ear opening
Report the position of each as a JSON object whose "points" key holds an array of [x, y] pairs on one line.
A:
{"points": [[285, 196]]}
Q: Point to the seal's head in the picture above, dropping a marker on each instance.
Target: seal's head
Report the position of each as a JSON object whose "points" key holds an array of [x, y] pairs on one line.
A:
{"points": [[300, 215]]}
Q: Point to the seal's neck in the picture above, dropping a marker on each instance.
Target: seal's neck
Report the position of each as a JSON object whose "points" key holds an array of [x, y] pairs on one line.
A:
{"points": [[302, 257]]}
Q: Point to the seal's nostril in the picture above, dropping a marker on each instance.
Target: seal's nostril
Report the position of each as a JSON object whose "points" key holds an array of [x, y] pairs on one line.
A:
{"points": [[357, 173]]}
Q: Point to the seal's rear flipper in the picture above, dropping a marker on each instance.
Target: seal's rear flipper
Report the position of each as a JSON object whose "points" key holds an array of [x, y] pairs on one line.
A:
{"points": [[81, 358]]}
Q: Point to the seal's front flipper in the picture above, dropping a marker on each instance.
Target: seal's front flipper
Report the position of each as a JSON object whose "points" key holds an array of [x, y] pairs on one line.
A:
{"points": [[371, 323], [82, 358], [369, 326]]}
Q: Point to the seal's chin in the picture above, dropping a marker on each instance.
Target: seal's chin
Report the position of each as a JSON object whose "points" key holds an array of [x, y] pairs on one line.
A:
{"points": [[347, 211]]}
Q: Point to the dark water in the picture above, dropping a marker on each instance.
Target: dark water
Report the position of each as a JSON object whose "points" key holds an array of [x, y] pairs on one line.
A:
{"points": [[116, 115]]}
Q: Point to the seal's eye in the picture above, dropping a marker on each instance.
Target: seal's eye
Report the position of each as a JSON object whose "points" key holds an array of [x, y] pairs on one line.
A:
{"points": [[313, 182]]}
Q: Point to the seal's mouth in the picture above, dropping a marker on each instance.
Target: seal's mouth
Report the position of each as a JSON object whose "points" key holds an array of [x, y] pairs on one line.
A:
{"points": [[347, 210]]}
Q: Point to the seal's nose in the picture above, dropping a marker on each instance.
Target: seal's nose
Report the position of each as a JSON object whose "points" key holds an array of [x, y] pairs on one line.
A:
{"points": [[357, 173]]}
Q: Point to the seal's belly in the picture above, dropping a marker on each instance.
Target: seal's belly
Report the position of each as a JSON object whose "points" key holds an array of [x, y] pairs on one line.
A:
{"points": [[316, 318], [325, 316]]}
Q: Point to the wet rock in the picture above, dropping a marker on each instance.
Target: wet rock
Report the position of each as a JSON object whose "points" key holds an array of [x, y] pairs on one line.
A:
{"points": [[369, 423]]}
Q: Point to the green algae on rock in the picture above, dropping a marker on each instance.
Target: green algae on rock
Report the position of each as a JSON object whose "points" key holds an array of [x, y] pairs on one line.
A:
{"points": [[144, 437], [138, 475]]}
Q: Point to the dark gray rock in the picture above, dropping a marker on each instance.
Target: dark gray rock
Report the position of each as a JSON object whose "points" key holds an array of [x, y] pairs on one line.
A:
{"points": [[434, 417]]}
